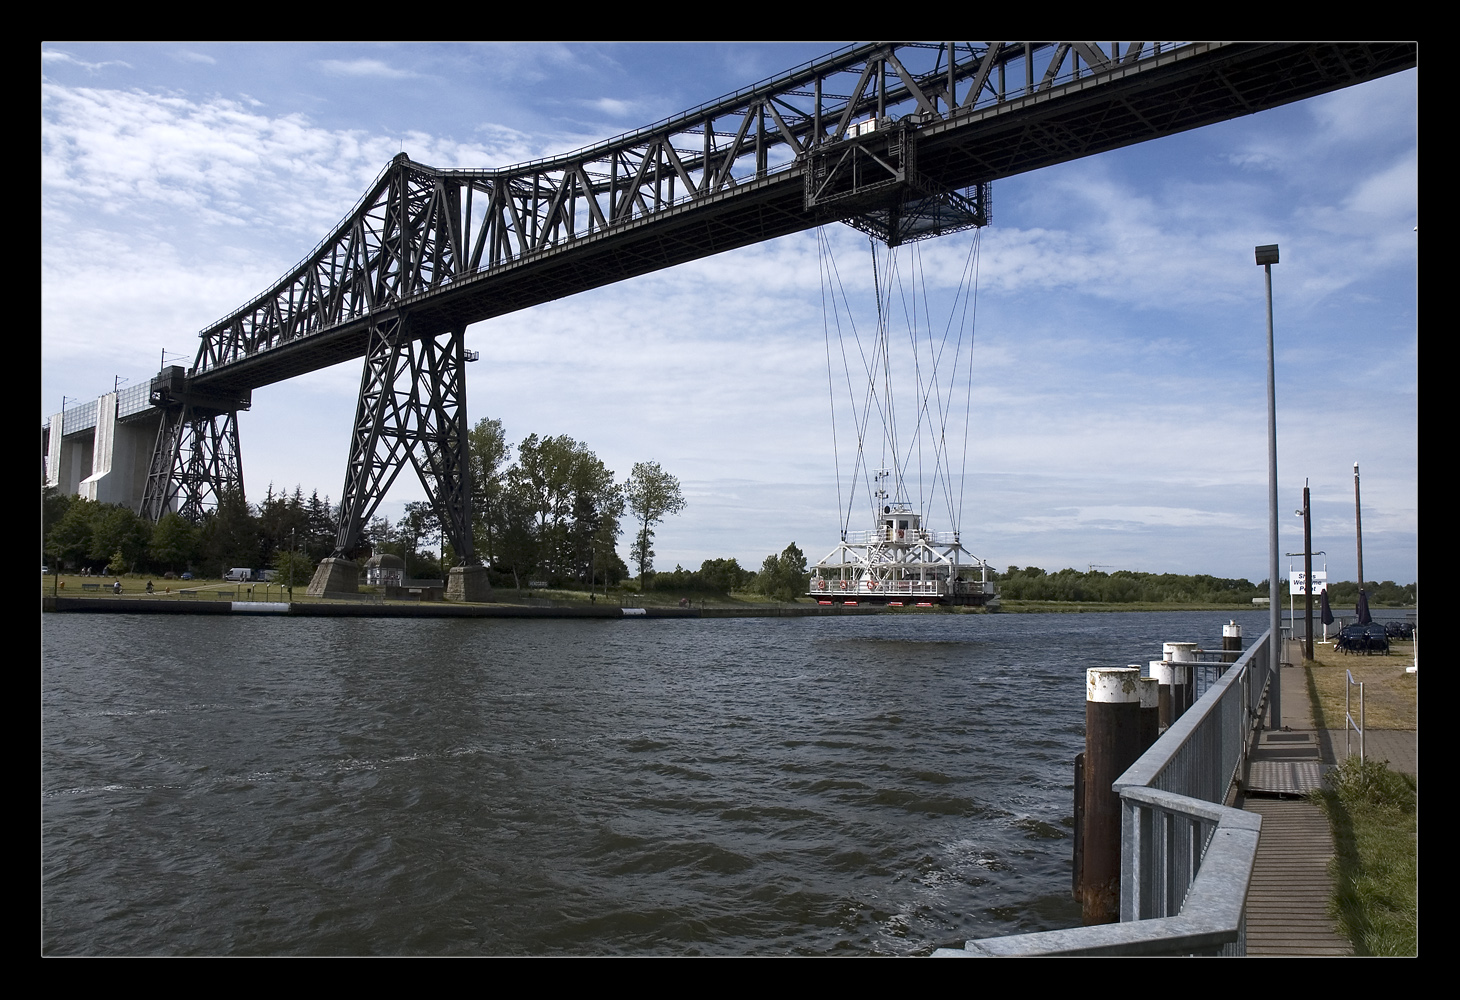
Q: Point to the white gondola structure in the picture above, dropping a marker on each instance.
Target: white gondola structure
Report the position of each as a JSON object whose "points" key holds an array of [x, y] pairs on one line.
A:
{"points": [[900, 560]]}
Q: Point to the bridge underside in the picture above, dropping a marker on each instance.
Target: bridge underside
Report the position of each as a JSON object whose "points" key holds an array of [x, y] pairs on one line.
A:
{"points": [[1080, 119]]}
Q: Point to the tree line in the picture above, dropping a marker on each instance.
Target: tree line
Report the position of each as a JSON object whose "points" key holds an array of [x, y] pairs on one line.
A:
{"points": [[81, 534], [547, 510], [782, 577], [553, 512], [1127, 587]]}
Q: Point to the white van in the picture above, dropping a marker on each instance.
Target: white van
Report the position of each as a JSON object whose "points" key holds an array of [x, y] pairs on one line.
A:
{"points": [[239, 574]]}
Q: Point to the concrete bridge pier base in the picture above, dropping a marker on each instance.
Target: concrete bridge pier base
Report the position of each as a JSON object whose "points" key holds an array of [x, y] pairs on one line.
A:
{"points": [[335, 576], [468, 583]]}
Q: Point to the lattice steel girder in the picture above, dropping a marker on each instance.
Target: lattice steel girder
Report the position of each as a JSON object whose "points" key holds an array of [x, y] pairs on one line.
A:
{"points": [[195, 461], [453, 247], [412, 406]]}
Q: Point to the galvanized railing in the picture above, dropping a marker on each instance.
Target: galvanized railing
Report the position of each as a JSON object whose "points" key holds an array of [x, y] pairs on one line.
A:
{"points": [[1349, 725], [901, 535], [827, 587], [1186, 858]]}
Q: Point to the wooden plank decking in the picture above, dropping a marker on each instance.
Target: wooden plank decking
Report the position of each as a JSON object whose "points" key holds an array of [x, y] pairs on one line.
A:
{"points": [[1287, 903]]}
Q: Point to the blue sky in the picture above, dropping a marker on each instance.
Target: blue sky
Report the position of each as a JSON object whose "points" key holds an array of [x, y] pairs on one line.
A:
{"points": [[1119, 394]]}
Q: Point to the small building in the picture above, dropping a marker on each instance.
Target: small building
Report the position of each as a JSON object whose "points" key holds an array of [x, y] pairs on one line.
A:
{"points": [[385, 570]]}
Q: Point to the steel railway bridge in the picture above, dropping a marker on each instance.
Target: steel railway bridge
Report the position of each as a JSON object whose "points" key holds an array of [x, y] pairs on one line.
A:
{"points": [[900, 140]]}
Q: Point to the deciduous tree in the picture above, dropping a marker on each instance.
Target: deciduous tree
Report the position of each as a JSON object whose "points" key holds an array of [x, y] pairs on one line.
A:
{"points": [[652, 495], [783, 577], [488, 454], [174, 542]]}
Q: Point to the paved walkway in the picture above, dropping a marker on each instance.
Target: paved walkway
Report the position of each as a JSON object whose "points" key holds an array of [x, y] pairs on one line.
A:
{"points": [[1287, 904]]}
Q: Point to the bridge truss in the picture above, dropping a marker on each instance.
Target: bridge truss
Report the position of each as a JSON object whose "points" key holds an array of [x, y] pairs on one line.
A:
{"points": [[900, 140]]}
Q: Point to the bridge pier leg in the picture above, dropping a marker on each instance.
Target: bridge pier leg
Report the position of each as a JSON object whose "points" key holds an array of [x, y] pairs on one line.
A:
{"points": [[413, 407], [334, 576], [195, 461]]}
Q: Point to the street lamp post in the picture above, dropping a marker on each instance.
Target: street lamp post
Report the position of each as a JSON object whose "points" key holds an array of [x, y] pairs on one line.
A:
{"points": [[1267, 256]]}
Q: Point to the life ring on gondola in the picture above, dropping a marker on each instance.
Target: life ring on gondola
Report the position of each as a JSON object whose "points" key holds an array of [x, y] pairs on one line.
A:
{"points": [[871, 584], [820, 584], [841, 585]]}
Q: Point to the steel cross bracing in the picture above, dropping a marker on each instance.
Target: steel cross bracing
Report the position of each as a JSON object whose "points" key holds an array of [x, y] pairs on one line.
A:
{"points": [[195, 462], [196, 459], [412, 405], [899, 139]]}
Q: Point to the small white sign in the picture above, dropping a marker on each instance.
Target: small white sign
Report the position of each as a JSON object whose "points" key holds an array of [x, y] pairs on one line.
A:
{"points": [[1298, 582]]}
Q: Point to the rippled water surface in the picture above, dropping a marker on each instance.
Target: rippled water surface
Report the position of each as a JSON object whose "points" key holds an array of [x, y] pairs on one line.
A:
{"points": [[869, 785]]}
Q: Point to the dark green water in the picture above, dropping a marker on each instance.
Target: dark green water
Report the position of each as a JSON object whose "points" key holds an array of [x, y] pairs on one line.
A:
{"points": [[879, 785]]}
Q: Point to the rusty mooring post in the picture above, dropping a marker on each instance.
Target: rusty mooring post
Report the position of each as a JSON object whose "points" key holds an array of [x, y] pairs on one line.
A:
{"points": [[1077, 878], [1112, 744]]}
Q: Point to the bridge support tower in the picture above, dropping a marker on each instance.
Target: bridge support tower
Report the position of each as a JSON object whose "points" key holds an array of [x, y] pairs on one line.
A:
{"points": [[412, 407], [196, 462]]}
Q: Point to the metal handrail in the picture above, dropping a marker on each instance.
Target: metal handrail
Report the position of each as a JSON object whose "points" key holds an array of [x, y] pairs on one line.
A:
{"points": [[1348, 718], [1186, 858], [1209, 922]]}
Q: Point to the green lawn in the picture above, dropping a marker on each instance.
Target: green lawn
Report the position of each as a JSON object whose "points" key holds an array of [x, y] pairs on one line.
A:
{"points": [[1375, 819]]}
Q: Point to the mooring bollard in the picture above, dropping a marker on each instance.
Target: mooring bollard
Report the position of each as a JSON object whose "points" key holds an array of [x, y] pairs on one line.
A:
{"points": [[1113, 728], [1178, 652], [1231, 642], [1183, 676], [1183, 689], [1150, 708], [1160, 671]]}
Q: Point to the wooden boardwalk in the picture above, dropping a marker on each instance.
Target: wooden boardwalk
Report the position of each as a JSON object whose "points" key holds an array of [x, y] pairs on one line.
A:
{"points": [[1287, 903]]}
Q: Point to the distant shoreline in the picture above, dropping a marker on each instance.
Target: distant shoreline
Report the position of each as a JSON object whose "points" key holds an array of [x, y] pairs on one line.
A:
{"points": [[171, 605]]}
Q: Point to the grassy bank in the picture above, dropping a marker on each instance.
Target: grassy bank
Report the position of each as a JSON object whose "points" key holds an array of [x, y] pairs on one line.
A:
{"points": [[1391, 696], [211, 589], [1375, 819], [1372, 810]]}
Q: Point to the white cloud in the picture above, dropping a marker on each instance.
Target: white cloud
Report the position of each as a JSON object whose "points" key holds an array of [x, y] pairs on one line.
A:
{"points": [[366, 68], [56, 57], [614, 108]]}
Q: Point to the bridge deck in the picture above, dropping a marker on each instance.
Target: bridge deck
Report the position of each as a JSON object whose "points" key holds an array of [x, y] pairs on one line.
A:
{"points": [[580, 233]]}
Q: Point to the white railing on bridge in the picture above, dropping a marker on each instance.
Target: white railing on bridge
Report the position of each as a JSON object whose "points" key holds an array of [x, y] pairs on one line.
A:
{"points": [[1186, 858]]}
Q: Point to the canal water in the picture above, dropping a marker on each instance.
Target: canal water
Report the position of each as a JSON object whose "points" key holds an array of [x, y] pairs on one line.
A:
{"points": [[815, 786]]}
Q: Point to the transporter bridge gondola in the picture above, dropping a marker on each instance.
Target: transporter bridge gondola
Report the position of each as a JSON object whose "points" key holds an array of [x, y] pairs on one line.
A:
{"points": [[899, 563], [917, 384]]}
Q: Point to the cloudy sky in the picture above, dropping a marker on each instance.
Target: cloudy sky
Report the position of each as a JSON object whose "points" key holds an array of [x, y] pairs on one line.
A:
{"points": [[1119, 362]]}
